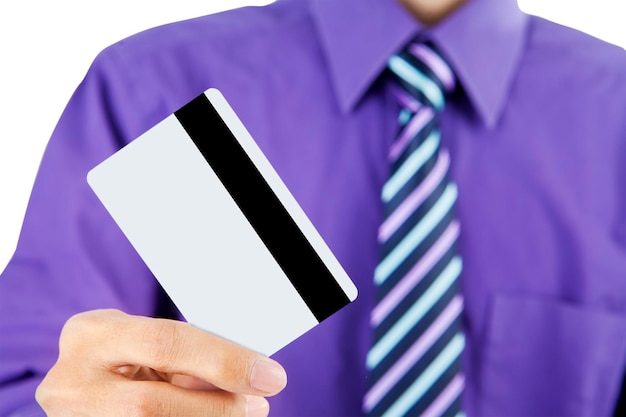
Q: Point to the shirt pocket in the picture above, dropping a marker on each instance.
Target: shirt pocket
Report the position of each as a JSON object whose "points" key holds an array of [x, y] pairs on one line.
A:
{"points": [[544, 357]]}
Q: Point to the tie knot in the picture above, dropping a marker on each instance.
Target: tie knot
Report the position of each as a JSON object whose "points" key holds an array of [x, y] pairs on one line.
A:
{"points": [[422, 71]]}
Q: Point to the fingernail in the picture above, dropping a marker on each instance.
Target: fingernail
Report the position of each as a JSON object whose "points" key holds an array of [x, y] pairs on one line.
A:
{"points": [[257, 407], [268, 376]]}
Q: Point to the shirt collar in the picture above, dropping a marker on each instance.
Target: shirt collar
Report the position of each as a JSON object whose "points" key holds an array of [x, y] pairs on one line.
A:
{"points": [[483, 40]]}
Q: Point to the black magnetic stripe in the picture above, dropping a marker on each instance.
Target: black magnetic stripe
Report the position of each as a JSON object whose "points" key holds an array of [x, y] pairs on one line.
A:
{"points": [[266, 214]]}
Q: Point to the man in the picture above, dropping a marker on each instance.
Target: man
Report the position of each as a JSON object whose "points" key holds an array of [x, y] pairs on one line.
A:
{"points": [[537, 144]]}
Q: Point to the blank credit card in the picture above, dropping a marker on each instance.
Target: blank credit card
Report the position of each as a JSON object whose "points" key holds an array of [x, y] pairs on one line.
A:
{"points": [[219, 229]]}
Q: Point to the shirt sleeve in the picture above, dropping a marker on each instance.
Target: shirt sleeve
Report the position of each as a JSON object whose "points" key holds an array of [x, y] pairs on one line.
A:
{"points": [[30, 410], [71, 257]]}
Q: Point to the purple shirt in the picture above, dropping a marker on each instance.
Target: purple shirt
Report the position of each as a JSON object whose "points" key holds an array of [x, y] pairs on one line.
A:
{"points": [[537, 137]]}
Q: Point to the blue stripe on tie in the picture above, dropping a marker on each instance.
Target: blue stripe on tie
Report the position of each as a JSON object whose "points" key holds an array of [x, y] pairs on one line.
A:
{"points": [[428, 378], [433, 217], [411, 165], [404, 117], [397, 332], [418, 80]]}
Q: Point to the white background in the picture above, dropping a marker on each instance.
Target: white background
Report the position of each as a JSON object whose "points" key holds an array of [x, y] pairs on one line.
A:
{"points": [[46, 47]]}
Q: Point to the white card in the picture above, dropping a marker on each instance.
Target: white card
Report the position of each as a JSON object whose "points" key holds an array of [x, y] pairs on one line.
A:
{"points": [[219, 229]]}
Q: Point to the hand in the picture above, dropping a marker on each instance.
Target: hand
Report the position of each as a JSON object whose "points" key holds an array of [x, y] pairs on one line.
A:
{"points": [[114, 364]]}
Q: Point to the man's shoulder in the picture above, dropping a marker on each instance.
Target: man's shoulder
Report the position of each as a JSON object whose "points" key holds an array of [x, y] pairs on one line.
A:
{"points": [[575, 50], [237, 28], [156, 71]]}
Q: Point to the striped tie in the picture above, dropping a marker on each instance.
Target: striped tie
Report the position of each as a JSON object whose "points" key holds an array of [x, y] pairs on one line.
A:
{"points": [[414, 363]]}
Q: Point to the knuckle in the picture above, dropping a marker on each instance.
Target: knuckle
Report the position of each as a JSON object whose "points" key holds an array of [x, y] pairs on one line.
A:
{"points": [[241, 368], [227, 405], [43, 393], [58, 391], [231, 369], [161, 339], [224, 409], [74, 330], [85, 327]]}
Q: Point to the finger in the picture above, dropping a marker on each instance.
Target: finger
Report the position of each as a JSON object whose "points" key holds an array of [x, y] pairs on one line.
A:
{"points": [[69, 390], [173, 347], [191, 382], [160, 399]]}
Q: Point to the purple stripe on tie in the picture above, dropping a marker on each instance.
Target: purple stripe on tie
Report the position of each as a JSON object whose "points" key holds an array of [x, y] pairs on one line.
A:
{"points": [[447, 397], [406, 99], [415, 352], [417, 197], [415, 275], [410, 130], [435, 63]]}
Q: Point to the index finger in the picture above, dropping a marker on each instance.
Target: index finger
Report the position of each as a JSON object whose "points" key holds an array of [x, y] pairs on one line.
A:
{"points": [[178, 348]]}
